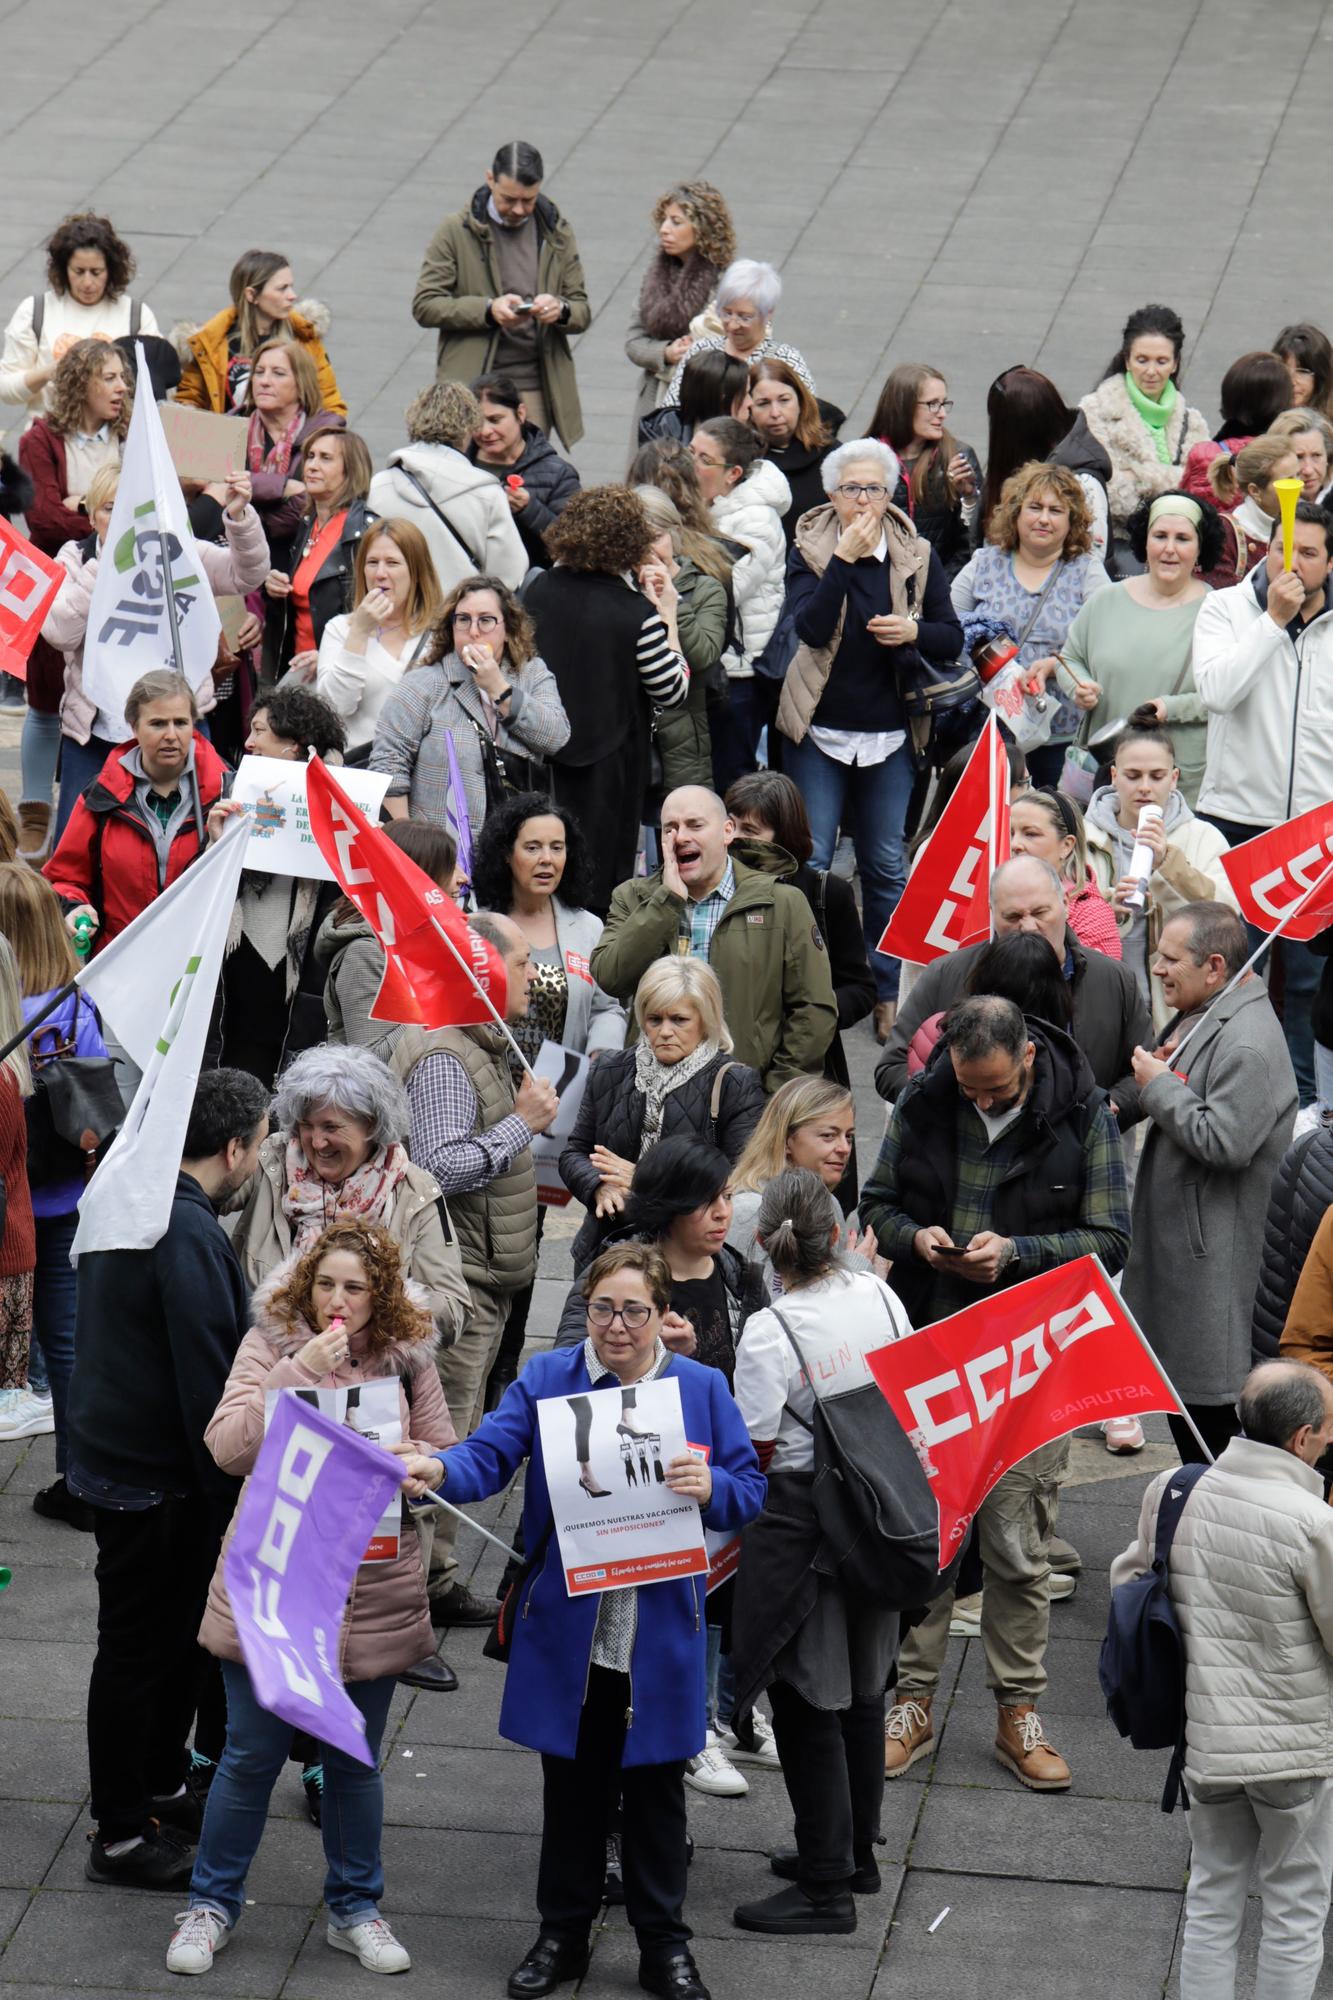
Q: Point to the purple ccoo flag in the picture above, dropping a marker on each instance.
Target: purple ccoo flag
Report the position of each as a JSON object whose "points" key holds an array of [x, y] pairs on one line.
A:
{"points": [[308, 1511], [455, 812]]}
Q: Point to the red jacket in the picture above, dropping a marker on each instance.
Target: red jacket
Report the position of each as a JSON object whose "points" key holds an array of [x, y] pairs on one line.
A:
{"points": [[107, 856], [50, 522]]}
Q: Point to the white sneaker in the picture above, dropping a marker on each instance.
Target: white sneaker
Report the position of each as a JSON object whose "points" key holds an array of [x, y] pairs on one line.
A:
{"points": [[712, 1771], [202, 1934], [1122, 1435], [23, 1415], [373, 1943], [762, 1748], [45, 1402], [1059, 1587], [965, 1618]]}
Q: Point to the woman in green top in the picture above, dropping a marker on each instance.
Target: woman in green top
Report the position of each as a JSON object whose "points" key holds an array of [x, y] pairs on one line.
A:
{"points": [[1133, 643], [1138, 415]]}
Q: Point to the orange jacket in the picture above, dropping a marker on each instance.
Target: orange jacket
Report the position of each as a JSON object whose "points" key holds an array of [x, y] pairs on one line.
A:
{"points": [[203, 380]]}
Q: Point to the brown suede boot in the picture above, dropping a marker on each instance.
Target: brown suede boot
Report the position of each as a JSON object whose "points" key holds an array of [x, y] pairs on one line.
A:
{"points": [[1021, 1745], [34, 817], [909, 1734]]}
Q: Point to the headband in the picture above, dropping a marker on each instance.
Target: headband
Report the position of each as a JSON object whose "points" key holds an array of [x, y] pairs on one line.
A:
{"points": [[1064, 807], [1176, 503]]}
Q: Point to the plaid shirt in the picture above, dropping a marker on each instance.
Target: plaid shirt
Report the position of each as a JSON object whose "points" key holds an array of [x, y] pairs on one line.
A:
{"points": [[1103, 1225], [699, 920], [443, 1105]]}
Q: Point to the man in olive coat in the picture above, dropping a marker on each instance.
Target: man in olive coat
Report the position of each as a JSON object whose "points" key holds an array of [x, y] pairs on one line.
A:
{"points": [[503, 282], [723, 903]]}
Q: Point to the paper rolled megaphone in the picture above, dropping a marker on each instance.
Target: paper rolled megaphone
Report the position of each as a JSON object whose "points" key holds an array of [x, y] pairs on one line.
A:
{"points": [[1288, 493]]}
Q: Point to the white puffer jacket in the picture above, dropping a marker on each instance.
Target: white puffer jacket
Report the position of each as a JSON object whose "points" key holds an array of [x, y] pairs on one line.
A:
{"points": [[1252, 1584], [474, 506], [752, 513]]}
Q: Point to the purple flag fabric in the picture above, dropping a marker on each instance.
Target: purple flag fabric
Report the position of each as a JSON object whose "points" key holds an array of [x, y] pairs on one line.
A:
{"points": [[455, 812], [309, 1510]]}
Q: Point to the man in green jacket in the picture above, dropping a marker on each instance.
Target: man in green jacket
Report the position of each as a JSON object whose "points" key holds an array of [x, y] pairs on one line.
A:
{"points": [[503, 283], [723, 903]]}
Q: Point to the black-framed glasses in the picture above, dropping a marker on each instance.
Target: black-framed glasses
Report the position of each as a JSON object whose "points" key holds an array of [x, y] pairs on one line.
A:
{"points": [[939, 406], [486, 621], [855, 491], [633, 1315]]}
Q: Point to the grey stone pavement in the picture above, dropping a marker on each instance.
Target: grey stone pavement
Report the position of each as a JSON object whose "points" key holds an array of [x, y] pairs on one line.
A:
{"points": [[972, 184]]}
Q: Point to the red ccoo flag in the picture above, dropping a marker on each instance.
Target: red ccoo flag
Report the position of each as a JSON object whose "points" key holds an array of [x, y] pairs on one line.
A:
{"points": [[946, 903], [1273, 872], [29, 583], [423, 983]]}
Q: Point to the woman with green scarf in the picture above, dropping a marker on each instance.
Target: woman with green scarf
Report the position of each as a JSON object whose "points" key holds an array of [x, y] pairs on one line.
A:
{"points": [[1140, 417]]}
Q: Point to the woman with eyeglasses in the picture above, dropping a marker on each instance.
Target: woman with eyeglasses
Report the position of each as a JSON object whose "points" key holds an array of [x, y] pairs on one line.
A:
{"points": [[939, 481], [1308, 355], [868, 592], [747, 298], [610, 1687]]}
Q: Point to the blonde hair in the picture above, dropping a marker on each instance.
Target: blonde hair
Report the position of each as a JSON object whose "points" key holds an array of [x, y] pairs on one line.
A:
{"points": [[423, 606], [304, 372], [1253, 465], [31, 921], [1038, 477], [11, 1019], [1067, 821], [670, 980], [102, 487], [663, 513], [800, 1101]]}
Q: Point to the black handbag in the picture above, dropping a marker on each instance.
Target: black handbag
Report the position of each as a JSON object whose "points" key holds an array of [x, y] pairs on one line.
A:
{"points": [[506, 773], [75, 1109], [500, 1638]]}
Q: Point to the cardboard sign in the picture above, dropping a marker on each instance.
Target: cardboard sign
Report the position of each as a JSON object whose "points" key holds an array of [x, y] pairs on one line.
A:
{"points": [[204, 447], [281, 840], [636, 1530], [29, 585], [373, 1411], [568, 1071]]}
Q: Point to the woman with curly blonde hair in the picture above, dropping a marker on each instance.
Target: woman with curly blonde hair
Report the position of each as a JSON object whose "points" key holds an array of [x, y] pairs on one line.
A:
{"points": [[614, 649], [696, 242], [479, 690], [337, 1316], [1030, 580], [460, 509]]}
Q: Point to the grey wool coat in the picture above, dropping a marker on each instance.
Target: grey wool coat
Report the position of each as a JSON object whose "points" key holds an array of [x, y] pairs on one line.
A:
{"points": [[1214, 1144]]}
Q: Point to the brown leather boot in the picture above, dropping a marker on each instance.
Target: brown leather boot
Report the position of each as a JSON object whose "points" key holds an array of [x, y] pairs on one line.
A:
{"points": [[34, 816], [886, 1013], [909, 1734], [1021, 1745]]}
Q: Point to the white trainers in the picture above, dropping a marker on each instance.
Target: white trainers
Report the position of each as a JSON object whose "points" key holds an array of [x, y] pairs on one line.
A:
{"points": [[373, 1943], [23, 1415], [1059, 1587], [762, 1748], [965, 1618], [202, 1934], [713, 1772], [1122, 1435]]}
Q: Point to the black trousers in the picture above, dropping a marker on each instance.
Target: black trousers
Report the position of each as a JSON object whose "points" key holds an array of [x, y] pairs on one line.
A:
{"points": [[153, 1571], [1217, 1424], [578, 1801], [833, 1768]]}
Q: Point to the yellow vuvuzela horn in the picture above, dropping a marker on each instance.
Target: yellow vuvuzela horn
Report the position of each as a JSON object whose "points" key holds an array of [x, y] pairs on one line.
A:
{"points": [[1288, 493]]}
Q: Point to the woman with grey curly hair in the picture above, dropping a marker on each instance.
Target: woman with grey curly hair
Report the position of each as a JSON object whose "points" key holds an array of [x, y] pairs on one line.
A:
{"points": [[460, 509]]}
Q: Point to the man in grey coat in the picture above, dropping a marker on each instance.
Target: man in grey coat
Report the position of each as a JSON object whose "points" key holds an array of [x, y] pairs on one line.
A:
{"points": [[1221, 1115]]}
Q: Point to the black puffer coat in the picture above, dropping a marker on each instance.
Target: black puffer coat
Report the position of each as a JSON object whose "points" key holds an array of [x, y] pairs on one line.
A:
{"points": [[611, 1115], [1302, 1191], [551, 482]]}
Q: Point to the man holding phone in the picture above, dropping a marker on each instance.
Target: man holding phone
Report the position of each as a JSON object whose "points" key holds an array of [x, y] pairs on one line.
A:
{"points": [[1001, 1160]]}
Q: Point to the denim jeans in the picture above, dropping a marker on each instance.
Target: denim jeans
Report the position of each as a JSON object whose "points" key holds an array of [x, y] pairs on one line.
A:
{"points": [[353, 1813], [79, 765], [39, 750], [735, 728], [870, 802], [721, 1681], [1281, 1835], [53, 1295]]}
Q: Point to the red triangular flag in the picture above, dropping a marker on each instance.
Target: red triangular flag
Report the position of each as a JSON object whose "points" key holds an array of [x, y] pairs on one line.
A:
{"points": [[946, 903]]}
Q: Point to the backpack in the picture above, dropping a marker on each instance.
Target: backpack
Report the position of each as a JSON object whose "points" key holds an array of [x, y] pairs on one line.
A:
{"points": [[1142, 1662], [39, 316], [877, 1516]]}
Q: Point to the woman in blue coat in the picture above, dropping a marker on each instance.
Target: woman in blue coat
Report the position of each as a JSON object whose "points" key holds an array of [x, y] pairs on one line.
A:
{"points": [[609, 1688]]}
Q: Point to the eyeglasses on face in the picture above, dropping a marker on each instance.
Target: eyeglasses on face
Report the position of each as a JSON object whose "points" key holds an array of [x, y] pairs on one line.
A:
{"points": [[485, 621], [939, 406], [636, 1314], [730, 318], [854, 491]]}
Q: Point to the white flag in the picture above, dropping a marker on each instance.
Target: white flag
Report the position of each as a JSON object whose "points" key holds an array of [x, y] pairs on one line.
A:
{"points": [[160, 975], [129, 623]]}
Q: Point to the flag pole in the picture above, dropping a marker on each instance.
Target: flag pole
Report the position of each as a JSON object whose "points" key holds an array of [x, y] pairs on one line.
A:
{"points": [[993, 838], [504, 1547], [1270, 938], [485, 997]]}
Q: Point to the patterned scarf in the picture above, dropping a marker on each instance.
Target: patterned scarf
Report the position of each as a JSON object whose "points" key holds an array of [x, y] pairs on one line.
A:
{"points": [[263, 455], [657, 1080], [673, 291], [311, 1204]]}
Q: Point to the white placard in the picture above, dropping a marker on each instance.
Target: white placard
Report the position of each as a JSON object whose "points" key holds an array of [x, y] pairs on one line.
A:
{"points": [[568, 1071], [281, 842], [630, 1529], [373, 1409]]}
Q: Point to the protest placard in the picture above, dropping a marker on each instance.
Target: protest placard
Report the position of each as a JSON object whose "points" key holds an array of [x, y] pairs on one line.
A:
{"points": [[281, 840], [372, 1410], [204, 446], [626, 1526], [568, 1071]]}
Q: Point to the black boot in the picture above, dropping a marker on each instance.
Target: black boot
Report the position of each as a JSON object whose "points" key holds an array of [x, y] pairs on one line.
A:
{"points": [[550, 1962], [786, 1862], [794, 1913]]}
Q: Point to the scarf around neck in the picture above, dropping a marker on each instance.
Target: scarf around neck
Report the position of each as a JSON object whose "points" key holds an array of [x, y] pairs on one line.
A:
{"points": [[263, 454], [311, 1204], [1155, 415], [674, 289], [657, 1080]]}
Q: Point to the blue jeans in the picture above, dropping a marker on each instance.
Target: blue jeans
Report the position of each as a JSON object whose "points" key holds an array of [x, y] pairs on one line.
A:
{"points": [[39, 749], [735, 728], [79, 765], [53, 1296], [871, 802], [258, 1745], [721, 1681]]}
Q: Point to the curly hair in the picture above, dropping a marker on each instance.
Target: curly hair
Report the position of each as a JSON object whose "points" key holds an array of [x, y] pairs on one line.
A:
{"points": [[604, 528], [86, 231], [1210, 531], [393, 1317], [446, 413], [492, 881], [520, 632], [714, 234], [77, 368], [1018, 489], [299, 715]]}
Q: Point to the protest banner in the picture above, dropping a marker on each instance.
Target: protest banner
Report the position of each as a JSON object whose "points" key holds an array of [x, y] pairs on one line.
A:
{"points": [[946, 904], [29, 585], [634, 1530], [1273, 872], [979, 1391], [301, 1529], [282, 841], [373, 1411], [568, 1071]]}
